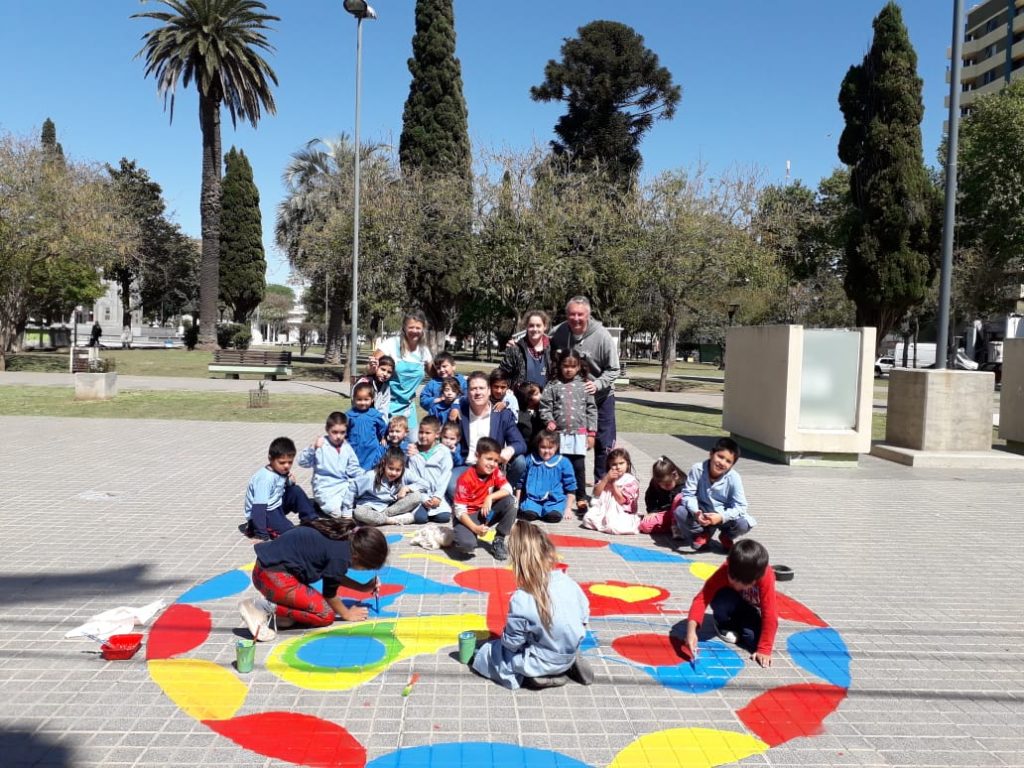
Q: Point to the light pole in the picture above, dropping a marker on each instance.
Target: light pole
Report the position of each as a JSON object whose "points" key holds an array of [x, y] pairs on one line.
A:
{"points": [[949, 220], [361, 10]]}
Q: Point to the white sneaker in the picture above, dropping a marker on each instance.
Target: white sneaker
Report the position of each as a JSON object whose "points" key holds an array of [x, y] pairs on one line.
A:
{"points": [[257, 619], [728, 636]]}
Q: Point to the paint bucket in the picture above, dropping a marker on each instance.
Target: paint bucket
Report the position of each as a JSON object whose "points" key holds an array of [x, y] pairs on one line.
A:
{"points": [[467, 646], [245, 655]]}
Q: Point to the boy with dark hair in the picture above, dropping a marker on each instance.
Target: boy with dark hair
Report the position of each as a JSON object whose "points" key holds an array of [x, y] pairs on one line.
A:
{"points": [[483, 497], [366, 427], [501, 396], [741, 594], [713, 499], [444, 367], [381, 370], [272, 494]]}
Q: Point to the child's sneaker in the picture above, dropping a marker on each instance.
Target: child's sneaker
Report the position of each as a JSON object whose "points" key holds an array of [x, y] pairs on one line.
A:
{"points": [[406, 518], [581, 671], [726, 541], [726, 635], [257, 619], [498, 548], [677, 533], [699, 542]]}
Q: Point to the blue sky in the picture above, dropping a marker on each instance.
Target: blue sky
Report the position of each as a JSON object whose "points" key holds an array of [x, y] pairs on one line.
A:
{"points": [[759, 82]]}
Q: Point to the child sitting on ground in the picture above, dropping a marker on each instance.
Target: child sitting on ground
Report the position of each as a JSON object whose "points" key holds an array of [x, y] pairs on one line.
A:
{"points": [[661, 497], [323, 548], [366, 426], [335, 466], [741, 594], [548, 489], [451, 436], [381, 369], [451, 391], [444, 368], [613, 508], [382, 496], [398, 433], [547, 621], [430, 470], [273, 493], [483, 497], [713, 499]]}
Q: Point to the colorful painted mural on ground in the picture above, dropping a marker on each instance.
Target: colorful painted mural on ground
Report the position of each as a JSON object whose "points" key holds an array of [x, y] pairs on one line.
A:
{"points": [[345, 657]]}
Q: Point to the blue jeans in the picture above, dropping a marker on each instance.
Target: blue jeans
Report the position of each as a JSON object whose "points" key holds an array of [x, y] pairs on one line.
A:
{"points": [[688, 523], [734, 614]]}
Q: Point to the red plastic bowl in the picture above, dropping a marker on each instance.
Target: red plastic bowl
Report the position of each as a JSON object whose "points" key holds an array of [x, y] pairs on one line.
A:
{"points": [[121, 647]]}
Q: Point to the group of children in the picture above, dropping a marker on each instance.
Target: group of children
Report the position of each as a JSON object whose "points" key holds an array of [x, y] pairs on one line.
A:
{"points": [[367, 474]]}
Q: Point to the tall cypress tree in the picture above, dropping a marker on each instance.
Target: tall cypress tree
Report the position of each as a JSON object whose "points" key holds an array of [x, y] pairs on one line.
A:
{"points": [[242, 262], [48, 138], [891, 251], [435, 144]]}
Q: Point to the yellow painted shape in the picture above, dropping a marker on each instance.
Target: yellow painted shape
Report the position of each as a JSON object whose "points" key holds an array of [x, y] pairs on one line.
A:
{"points": [[248, 566], [206, 691], [688, 748], [703, 571], [489, 536], [417, 634], [634, 593], [438, 559]]}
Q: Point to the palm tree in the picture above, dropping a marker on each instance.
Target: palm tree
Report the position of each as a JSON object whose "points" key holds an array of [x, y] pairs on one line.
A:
{"points": [[216, 43]]}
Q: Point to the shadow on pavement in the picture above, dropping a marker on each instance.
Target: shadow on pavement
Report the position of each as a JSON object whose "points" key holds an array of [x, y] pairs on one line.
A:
{"points": [[20, 748], [40, 587]]}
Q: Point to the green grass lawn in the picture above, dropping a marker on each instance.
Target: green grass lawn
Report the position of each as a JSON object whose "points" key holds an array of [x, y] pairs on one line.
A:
{"points": [[667, 418]]}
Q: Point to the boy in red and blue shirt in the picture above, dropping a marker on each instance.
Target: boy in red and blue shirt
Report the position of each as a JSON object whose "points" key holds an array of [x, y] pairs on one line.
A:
{"points": [[483, 497]]}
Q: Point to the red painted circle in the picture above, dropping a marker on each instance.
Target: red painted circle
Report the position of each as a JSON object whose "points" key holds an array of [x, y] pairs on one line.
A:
{"points": [[652, 650]]}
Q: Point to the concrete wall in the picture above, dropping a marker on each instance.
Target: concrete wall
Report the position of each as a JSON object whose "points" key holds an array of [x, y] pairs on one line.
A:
{"points": [[940, 410], [763, 394], [1011, 399]]}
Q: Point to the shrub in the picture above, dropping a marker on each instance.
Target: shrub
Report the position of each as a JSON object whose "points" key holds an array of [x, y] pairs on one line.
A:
{"points": [[226, 333], [242, 339]]}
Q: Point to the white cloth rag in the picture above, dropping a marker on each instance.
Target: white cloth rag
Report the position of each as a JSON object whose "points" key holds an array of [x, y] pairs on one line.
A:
{"points": [[117, 621]]}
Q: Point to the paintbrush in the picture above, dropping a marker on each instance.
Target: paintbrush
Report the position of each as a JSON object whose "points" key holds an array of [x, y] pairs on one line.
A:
{"points": [[376, 595], [408, 686]]}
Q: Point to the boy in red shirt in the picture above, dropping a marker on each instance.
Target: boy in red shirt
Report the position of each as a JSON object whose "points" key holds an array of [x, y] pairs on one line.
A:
{"points": [[742, 598], [483, 497]]}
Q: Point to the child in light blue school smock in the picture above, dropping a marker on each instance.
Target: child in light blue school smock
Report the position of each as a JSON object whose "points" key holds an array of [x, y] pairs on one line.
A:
{"points": [[335, 467], [383, 495], [547, 620], [430, 470]]}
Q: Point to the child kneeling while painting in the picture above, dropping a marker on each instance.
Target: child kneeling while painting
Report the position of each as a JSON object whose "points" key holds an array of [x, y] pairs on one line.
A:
{"points": [[741, 594], [547, 620], [325, 548]]}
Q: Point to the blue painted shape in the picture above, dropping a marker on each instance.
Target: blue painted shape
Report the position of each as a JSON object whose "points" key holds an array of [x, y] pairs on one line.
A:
{"points": [[823, 653], [342, 652], [394, 538], [716, 665], [413, 584], [633, 554], [589, 641], [477, 754], [224, 585]]}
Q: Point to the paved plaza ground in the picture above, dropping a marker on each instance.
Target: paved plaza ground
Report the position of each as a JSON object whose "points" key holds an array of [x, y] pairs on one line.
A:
{"points": [[916, 574]]}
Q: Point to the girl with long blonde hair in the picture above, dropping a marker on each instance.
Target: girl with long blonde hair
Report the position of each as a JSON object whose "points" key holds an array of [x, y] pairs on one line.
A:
{"points": [[547, 619]]}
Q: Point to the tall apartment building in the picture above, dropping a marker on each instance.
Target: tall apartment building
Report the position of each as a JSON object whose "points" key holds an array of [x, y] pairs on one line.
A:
{"points": [[993, 49]]}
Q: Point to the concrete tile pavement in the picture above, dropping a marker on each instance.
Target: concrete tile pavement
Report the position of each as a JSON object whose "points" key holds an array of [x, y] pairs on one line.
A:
{"points": [[915, 569]]}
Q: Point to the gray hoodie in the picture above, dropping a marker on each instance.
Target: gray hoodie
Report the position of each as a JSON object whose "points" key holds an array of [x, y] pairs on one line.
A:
{"points": [[597, 349]]}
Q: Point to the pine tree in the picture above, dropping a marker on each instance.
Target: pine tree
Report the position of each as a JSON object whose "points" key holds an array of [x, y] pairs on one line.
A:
{"points": [[242, 262], [435, 136], [891, 253], [614, 89], [434, 146], [48, 139]]}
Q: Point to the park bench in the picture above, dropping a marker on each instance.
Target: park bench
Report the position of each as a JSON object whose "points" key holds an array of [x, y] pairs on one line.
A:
{"points": [[269, 363]]}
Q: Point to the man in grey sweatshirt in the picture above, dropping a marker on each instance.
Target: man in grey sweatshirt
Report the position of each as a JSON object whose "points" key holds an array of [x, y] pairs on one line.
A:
{"points": [[600, 355]]}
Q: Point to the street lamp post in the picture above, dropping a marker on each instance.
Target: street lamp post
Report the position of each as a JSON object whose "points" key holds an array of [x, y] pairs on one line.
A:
{"points": [[361, 10]]}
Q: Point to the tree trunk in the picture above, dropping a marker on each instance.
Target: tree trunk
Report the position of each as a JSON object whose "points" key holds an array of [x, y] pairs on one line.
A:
{"points": [[209, 212], [335, 318], [668, 350], [124, 279]]}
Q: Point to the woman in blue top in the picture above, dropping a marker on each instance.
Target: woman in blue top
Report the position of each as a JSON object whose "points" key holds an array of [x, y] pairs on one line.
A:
{"points": [[412, 359]]}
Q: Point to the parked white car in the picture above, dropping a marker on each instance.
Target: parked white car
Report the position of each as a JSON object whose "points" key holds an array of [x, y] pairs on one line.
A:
{"points": [[883, 365]]}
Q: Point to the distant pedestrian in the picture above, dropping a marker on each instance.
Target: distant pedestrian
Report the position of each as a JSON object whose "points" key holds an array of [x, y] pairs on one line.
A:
{"points": [[95, 334], [126, 338]]}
